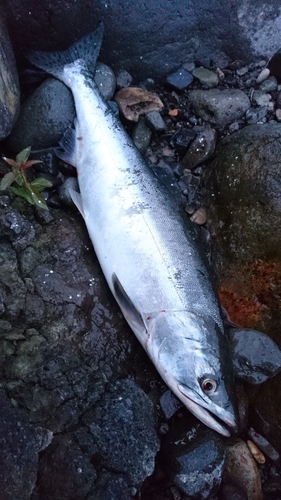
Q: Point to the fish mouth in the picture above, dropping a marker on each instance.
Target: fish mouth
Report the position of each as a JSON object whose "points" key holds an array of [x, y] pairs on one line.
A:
{"points": [[224, 424]]}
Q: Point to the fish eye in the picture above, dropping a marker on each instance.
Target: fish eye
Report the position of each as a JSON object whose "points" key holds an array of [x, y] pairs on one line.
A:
{"points": [[209, 385]]}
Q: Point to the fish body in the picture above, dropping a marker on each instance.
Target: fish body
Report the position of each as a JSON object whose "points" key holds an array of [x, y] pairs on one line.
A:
{"points": [[147, 248]]}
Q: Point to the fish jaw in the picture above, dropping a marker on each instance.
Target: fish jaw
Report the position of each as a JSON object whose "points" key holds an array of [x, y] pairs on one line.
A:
{"points": [[187, 350]]}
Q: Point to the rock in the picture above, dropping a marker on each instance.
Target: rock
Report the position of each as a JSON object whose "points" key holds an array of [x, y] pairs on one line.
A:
{"points": [[169, 403], [199, 216], [48, 161], [260, 98], [64, 191], [264, 445], [278, 114], [183, 138], [256, 115], [179, 80], [232, 492], [256, 452], [9, 88], [123, 79], [134, 102], [16, 228], [44, 116], [206, 77], [20, 445], [269, 85], [131, 41], [155, 121], [193, 458], [254, 355], [111, 486], [125, 412], [263, 75], [241, 469], [201, 149], [274, 65], [219, 107], [65, 471], [141, 135], [105, 80], [244, 216]]}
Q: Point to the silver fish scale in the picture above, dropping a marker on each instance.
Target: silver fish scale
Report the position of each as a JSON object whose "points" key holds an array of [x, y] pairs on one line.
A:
{"points": [[135, 227]]}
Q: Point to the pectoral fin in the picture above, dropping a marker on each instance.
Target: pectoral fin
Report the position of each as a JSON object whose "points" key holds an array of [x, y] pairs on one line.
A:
{"points": [[131, 314]]}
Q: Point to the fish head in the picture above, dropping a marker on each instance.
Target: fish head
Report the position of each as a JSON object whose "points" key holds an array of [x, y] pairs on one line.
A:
{"points": [[191, 354]]}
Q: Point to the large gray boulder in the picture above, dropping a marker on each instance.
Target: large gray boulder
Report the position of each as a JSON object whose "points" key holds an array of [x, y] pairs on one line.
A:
{"points": [[9, 84], [150, 38]]}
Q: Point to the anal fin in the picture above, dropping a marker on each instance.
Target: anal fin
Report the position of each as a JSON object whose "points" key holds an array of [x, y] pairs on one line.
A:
{"points": [[77, 200]]}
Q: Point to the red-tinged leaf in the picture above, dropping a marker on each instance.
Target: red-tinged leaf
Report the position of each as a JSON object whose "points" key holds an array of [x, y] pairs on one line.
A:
{"points": [[11, 162], [7, 180], [23, 156], [23, 193], [29, 163], [40, 183]]}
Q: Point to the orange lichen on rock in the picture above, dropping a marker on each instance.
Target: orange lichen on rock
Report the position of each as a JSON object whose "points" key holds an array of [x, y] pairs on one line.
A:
{"points": [[250, 293]]}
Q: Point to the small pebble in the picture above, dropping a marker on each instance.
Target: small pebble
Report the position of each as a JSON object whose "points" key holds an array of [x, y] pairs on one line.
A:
{"points": [[269, 85], [180, 80], [155, 121], [263, 444], [64, 191], [206, 77], [134, 102], [278, 114], [263, 75], [141, 135], [242, 71], [257, 454], [200, 216], [123, 79]]}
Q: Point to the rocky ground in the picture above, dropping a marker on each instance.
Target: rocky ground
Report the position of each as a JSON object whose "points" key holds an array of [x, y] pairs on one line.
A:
{"points": [[84, 415]]}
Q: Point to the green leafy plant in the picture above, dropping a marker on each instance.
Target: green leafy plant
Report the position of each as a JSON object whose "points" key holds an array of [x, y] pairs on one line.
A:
{"points": [[28, 190]]}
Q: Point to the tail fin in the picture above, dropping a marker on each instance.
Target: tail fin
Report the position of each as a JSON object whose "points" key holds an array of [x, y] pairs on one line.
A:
{"points": [[87, 49]]}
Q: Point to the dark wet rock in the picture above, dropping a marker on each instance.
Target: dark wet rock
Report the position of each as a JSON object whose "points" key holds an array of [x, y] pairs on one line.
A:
{"points": [[131, 41], [65, 472], [241, 469], [105, 80], [265, 412], [201, 149], [134, 102], [269, 85], [256, 115], [48, 161], [122, 425], [15, 227], [254, 355], [155, 121], [169, 404], [193, 457], [206, 77], [43, 118], [64, 191], [244, 217], [232, 492], [179, 80], [111, 486], [141, 135], [183, 138], [123, 79], [9, 88], [219, 107], [20, 445], [274, 65]]}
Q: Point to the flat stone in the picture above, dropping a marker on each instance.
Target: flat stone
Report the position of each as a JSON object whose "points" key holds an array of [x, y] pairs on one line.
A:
{"points": [[206, 77], [269, 85], [141, 135], [134, 102], [219, 107], [180, 80], [105, 80], [256, 115]]}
